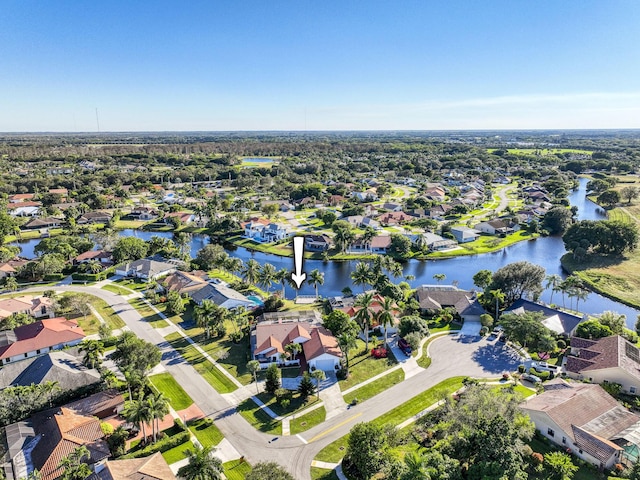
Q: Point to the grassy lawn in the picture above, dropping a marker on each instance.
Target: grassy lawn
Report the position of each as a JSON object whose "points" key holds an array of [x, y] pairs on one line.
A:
{"points": [[177, 453], [131, 284], [134, 224], [335, 451], [116, 289], [90, 322], [323, 474], [297, 403], [166, 384], [521, 389], [206, 432], [420, 402], [258, 419], [109, 315], [307, 421], [372, 389], [363, 366], [438, 325], [203, 366], [236, 469], [148, 315]]}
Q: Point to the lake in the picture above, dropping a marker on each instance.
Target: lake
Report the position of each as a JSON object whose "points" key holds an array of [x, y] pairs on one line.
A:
{"points": [[544, 251]]}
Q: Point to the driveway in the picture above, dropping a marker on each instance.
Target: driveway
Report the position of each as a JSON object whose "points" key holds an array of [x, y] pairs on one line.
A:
{"points": [[472, 356]]}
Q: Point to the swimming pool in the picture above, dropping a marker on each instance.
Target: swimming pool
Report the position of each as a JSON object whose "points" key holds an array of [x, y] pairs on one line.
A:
{"points": [[255, 299]]}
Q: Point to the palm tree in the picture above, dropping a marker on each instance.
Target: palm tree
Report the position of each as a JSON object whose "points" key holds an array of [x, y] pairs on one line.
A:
{"points": [[293, 349], [232, 264], [238, 317], [72, 465], [319, 376], [202, 465], [250, 272], [293, 285], [254, 367], [439, 277], [364, 314], [209, 314], [267, 276], [137, 411], [553, 281], [499, 297], [281, 278], [316, 277], [109, 378], [362, 275], [94, 349], [421, 243], [11, 284], [385, 316], [347, 341], [94, 266], [182, 241], [368, 235], [580, 294], [158, 407], [416, 465]]}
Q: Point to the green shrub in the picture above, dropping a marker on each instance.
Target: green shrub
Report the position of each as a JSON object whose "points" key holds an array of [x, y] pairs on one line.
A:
{"points": [[161, 445], [521, 368]]}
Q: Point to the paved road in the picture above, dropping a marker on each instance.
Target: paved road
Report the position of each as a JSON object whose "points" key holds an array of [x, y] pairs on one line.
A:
{"points": [[296, 452]]}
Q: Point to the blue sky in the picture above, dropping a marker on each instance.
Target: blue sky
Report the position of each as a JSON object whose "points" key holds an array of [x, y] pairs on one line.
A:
{"points": [[322, 65]]}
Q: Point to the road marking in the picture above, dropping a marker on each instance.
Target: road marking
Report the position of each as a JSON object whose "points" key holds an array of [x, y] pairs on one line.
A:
{"points": [[302, 439], [329, 430]]}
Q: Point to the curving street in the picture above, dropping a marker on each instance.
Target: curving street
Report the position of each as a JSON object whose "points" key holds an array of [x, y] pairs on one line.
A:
{"points": [[452, 355]]}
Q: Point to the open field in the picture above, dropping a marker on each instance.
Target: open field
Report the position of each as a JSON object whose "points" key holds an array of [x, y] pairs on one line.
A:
{"points": [[543, 151]]}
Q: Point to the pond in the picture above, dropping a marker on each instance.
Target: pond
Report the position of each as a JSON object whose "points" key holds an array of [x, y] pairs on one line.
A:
{"points": [[544, 251]]}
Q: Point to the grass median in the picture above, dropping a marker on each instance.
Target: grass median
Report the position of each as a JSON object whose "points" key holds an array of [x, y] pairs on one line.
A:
{"points": [[334, 452], [204, 367], [374, 388]]}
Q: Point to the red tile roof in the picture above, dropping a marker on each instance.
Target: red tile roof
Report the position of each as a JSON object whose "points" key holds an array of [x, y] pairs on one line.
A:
{"points": [[42, 334], [607, 352], [60, 434], [321, 342], [13, 206]]}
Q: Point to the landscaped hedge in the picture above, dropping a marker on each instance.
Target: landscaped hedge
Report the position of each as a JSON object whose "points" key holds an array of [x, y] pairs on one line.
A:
{"points": [[541, 375], [164, 444]]}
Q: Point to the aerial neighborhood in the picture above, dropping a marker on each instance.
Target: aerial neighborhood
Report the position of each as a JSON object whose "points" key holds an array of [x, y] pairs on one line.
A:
{"points": [[468, 306]]}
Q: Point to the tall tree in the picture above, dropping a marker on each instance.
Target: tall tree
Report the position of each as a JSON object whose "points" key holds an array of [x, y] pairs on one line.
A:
{"points": [[318, 375], [364, 314], [552, 282], [254, 367], [202, 465], [138, 412], [250, 273], [518, 279], [363, 275], [73, 466], [158, 407], [385, 316], [267, 276], [94, 349], [268, 471], [316, 277]]}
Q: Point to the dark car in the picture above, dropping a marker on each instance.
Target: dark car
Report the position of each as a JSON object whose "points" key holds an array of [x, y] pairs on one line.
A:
{"points": [[404, 346]]}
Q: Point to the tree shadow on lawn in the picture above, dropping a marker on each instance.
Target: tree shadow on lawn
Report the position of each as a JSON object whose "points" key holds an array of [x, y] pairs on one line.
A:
{"points": [[496, 359]]}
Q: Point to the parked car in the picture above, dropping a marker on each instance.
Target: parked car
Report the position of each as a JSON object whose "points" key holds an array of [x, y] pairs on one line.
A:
{"points": [[531, 378], [404, 346], [544, 367]]}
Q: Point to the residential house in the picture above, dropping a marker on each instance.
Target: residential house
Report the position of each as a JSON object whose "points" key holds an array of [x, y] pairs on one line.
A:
{"points": [[378, 244], [185, 218], [221, 295], [434, 242], [185, 282], [335, 200], [464, 234], [37, 338], [263, 230], [435, 193], [58, 366], [498, 226], [66, 205], [439, 212], [93, 217], [145, 269], [144, 213], [317, 243], [11, 267], [154, 467], [36, 307], [609, 359], [586, 421], [275, 331], [105, 258], [366, 196], [47, 222], [433, 298], [24, 209], [560, 322], [63, 192], [392, 207], [105, 404], [394, 218], [21, 197], [41, 442]]}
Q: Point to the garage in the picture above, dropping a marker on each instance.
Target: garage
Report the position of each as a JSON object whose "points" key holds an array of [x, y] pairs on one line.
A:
{"points": [[327, 365]]}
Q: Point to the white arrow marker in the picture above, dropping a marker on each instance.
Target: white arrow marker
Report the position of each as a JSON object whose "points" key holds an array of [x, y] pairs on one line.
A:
{"points": [[298, 275]]}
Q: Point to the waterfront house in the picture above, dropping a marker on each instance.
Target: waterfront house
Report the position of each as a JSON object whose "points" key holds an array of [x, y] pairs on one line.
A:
{"points": [[94, 217], [317, 243], [464, 234], [609, 359], [560, 322], [434, 298], [497, 226], [585, 421]]}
